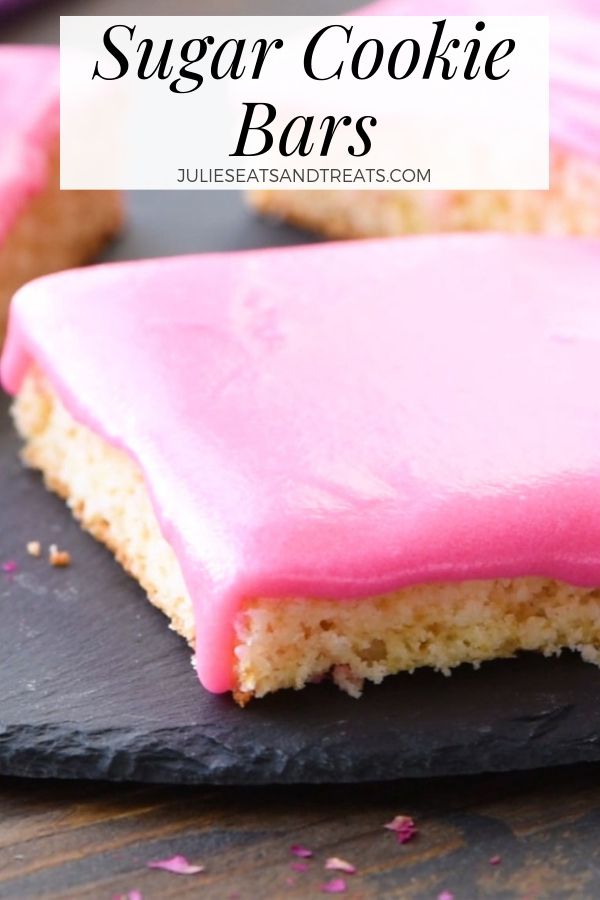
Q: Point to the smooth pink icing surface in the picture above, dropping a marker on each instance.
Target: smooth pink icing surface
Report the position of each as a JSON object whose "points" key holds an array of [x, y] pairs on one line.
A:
{"points": [[574, 56], [29, 119], [344, 419]]}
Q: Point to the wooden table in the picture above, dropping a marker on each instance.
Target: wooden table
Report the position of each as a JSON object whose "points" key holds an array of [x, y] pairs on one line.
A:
{"points": [[86, 840]]}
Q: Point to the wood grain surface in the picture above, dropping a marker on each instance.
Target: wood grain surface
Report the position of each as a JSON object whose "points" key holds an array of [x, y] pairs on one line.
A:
{"points": [[86, 840]]}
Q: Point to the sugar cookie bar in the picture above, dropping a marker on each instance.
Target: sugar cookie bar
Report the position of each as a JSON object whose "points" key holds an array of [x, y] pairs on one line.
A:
{"points": [[351, 459], [42, 229], [570, 207]]}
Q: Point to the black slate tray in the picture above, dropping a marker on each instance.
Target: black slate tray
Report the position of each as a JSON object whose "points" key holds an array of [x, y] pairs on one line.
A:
{"points": [[94, 685]]}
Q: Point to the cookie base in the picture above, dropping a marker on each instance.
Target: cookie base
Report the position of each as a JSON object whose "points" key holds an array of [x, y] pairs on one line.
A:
{"points": [[289, 642], [55, 230], [571, 206]]}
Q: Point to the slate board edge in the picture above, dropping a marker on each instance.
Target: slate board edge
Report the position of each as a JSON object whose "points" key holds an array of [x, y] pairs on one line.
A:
{"points": [[119, 755]]}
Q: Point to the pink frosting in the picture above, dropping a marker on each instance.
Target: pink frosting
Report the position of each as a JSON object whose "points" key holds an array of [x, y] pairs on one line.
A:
{"points": [[574, 56], [29, 120], [344, 419]]}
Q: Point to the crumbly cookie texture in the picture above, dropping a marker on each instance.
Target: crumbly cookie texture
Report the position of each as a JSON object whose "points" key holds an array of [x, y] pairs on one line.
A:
{"points": [[55, 230], [289, 642], [571, 206]]}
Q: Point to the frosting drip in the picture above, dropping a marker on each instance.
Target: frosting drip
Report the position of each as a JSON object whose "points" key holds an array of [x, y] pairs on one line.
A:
{"points": [[341, 420]]}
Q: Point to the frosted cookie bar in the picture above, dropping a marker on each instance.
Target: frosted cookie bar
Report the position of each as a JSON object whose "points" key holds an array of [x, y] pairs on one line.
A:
{"points": [[41, 228], [355, 458], [571, 206]]}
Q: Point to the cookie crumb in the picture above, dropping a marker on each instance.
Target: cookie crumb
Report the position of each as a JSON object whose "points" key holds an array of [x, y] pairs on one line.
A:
{"points": [[59, 558], [34, 548], [242, 698]]}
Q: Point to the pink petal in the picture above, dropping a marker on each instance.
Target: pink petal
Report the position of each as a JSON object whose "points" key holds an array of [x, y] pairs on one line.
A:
{"points": [[299, 867], [495, 860], [404, 837], [399, 823], [404, 827], [302, 852], [446, 895], [9, 567], [340, 865], [335, 886], [130, 895], [177, 864]]}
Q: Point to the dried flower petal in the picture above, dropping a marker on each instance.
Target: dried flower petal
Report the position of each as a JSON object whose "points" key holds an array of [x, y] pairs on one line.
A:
{"points": [[177, 864], [404, 828], [495, 860], [302, 852], [34, 548], [403, 837], [446, 895], [399, 822], [130, 895], [299, 867], [340, 865], [9, 567], [335, 886]]}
